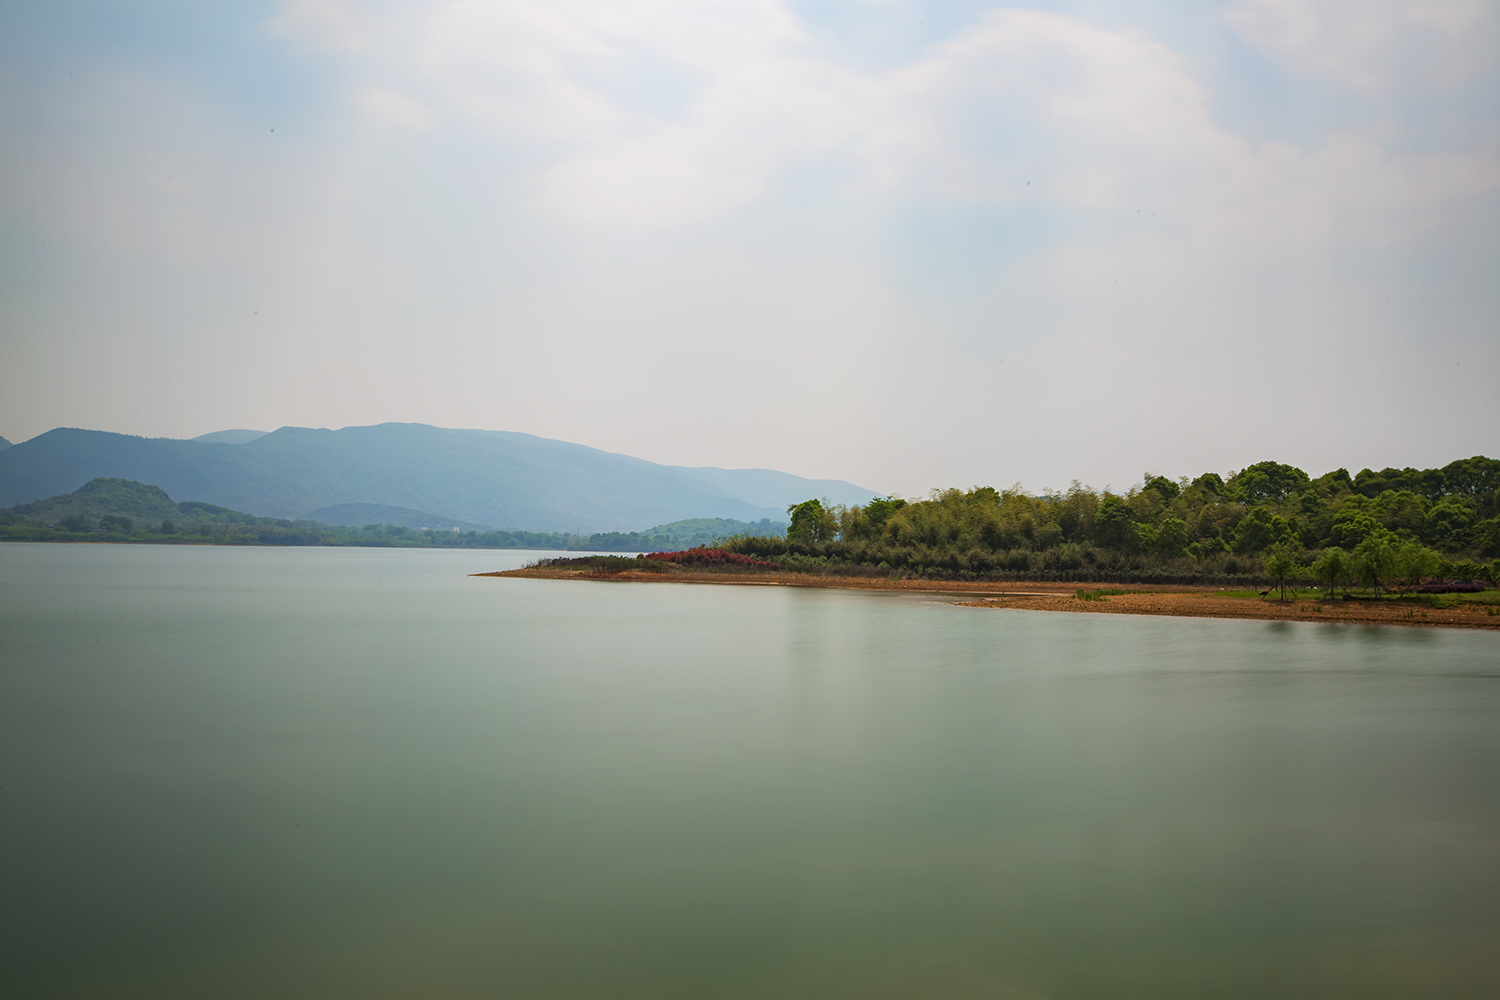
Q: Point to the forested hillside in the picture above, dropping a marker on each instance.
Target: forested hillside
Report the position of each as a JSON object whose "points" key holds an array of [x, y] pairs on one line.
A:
{"points": [[1253, 524]]}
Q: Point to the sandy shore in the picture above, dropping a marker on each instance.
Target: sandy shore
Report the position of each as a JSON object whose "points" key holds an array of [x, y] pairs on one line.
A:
{"points": [[1215, 605], [1182, 602]]}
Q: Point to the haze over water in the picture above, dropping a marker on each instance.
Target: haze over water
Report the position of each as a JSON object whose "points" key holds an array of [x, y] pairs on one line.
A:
{"points": [[362, 773]]}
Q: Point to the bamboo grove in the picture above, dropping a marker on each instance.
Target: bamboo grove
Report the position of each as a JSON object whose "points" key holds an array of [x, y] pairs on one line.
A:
{"points": [[1267, 523]]}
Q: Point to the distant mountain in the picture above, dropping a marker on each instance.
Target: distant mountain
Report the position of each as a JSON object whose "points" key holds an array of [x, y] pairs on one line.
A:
{"points": [[506, 480], [122, 498], [101, 498], [231, 437], [767, 488], [357, 515], [4, 444]]}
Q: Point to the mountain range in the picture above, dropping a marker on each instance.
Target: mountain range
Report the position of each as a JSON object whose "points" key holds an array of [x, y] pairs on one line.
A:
{"points": [[497, 479]]}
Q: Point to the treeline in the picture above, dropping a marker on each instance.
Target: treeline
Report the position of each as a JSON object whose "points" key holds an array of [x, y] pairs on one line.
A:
{"points": [[122, 510], [685, 534], [246, 529], [235, 528], [1234, 529]]}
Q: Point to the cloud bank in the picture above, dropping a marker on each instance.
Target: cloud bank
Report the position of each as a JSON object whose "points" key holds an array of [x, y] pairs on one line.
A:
{"points": [[831, 238]]}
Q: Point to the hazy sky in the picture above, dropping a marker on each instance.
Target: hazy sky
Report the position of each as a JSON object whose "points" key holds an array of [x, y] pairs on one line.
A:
{"points": [[906, 244]]}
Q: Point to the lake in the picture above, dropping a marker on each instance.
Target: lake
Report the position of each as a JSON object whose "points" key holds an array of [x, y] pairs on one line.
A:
{"points": [[302, 773]]}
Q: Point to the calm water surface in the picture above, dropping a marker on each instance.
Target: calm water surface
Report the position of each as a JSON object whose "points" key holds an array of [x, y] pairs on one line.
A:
{"points": [[360, 773]]}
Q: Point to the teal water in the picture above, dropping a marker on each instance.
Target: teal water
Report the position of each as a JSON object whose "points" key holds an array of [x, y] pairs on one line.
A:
{"points": [[361, 773]]}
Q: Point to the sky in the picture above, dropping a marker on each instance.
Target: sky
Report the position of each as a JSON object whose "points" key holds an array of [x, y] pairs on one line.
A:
{"points": [[906, 244]]}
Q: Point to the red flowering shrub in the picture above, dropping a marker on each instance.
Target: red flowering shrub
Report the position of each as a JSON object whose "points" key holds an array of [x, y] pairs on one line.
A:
{"points": [[711, 557]]}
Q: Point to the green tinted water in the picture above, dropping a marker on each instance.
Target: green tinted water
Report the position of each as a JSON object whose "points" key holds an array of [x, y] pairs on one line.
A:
{"points": [[360, 773]]}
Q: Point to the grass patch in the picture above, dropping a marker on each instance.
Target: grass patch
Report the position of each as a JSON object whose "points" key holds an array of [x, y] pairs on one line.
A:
{"points": [[1102, 593], [1487, 598]]}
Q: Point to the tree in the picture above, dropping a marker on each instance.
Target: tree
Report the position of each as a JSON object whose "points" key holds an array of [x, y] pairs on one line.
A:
{"points": [[1401, 510], [1112, 524], [811, 522], [1211, 483], [1374, 559], [1261, 529], [1269, 481], [1282, 564], [1448, 524], [1332, 568], [1164, 487], [1172, 536], [1352, 526], [1414, 563]]}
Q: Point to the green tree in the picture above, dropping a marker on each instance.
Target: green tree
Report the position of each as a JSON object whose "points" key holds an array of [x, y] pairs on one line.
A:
{"points": [[1281, 565], [1172, 536], [1448, 524], [1112, 524], [1164, 487], [1374, 560], [871, 519], [1211, 483], [1486, 536], [811, 522], [1261, 529], [1269, 481], [1332, 568], [1402, 511], [1352, 526], [1414, 563]]}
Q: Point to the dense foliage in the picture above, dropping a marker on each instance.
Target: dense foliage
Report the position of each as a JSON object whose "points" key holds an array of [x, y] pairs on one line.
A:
{"points": [[1267, 522]]}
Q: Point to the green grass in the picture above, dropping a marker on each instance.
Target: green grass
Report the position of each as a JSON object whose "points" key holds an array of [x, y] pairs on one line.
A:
{"points": [[1484, 597], [1101, 594]]}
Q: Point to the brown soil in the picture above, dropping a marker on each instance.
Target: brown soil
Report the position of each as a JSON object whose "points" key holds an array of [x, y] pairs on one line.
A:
{"points": [[1212, 605], [1184, 602]]}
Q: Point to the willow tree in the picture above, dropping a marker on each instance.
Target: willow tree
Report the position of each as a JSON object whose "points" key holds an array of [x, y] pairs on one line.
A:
{"points": [[1332, 567], [1282, 564]]}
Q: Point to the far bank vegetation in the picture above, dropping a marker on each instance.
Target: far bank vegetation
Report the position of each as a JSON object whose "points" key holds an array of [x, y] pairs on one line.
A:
{"points": [[1267, 524]]}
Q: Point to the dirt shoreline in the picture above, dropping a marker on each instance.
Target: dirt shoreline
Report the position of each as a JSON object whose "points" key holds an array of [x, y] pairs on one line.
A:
{"points": [[1178, 602]]}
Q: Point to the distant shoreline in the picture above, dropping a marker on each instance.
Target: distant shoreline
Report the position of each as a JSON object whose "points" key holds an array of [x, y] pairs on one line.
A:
{"points": [[1174, 602]]}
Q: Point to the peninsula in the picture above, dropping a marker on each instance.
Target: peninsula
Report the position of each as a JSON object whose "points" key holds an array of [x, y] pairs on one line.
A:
{"points": [[1399, 546]]}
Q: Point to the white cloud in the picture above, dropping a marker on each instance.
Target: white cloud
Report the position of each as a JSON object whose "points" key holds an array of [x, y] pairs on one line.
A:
{"points": [[1377, 45], [1096, 119], [391, 109], [337, 25]]}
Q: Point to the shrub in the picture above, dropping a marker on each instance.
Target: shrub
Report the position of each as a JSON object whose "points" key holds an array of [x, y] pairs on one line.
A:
{"points": [[711, 557]]}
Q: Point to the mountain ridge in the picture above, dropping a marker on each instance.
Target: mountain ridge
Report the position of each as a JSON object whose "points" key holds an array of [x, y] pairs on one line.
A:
{"points": [[504, 479]]}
